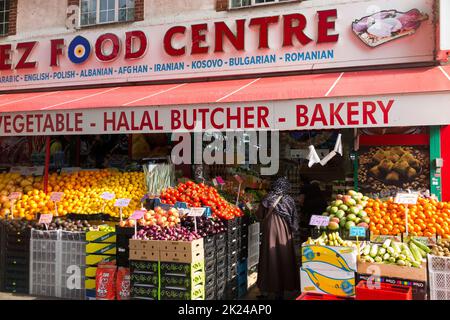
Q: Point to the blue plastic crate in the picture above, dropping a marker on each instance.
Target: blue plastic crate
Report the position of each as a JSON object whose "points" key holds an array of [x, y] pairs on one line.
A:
{"points": [[242, 290], [242, 266], [242, 278]]}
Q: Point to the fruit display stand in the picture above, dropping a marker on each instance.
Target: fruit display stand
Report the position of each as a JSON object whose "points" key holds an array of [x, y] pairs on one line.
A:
{"points": [[57, 264], [100, 247], [395, 274]]}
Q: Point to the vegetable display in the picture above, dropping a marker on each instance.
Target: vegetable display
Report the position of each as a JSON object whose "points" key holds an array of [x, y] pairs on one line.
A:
{"points": [[158, 216], [205, 226], [393, 252], [167, 234], [201, 195], [158, 177], [348, 211], [426, 218], [331, 239], [441, 249]]}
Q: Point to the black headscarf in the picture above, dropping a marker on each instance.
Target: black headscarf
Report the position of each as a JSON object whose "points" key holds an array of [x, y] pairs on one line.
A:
{"points": [[286, 206]]}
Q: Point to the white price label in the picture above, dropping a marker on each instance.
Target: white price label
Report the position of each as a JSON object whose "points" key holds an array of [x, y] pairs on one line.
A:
{"points": [[121, 203], [319, 221], [14, 195], [406, 198], [196, 212], [138, 214]]}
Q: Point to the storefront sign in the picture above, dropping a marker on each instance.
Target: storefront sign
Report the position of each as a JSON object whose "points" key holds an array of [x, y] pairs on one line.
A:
{"points": [[319, 221], [365, 33], [324, 113]]}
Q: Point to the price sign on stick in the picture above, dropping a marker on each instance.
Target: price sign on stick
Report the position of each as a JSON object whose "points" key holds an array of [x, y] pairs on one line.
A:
{"points": [[121, 203], [238, 178], [406, 199], [196, 212], [215, 183], [319, 221], [358, 232], [108, 196], [13, 196], [138, 214], [56, 197], [46, 219]]}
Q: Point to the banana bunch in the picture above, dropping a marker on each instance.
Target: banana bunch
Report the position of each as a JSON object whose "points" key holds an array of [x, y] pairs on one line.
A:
{"points": [[330, 239]]}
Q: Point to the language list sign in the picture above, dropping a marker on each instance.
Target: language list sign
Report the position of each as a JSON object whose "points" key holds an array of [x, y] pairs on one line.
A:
{"points": [[319, 221], [122, 203], [406, 198]]}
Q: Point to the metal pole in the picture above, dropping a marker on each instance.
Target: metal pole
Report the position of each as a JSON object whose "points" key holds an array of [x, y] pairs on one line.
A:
{"points": [[47, 163]]}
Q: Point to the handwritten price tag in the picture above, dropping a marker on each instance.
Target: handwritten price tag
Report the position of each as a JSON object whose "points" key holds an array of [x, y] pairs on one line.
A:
{"points": [[319, 221], [138, 214], [46, 218], [220, 180], [406, 198], [215, 183], [196, 212], [107, 196], [121, 203], [56, 196], [357, 232], [14, 195]]}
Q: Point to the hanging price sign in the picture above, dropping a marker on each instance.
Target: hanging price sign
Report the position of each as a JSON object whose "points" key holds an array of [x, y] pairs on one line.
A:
{"points": [[319, 221]]}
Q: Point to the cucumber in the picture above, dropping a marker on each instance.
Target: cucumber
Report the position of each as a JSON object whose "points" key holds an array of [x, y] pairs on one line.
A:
{"points": [[415, 252], [374, 251], [421, 245]]}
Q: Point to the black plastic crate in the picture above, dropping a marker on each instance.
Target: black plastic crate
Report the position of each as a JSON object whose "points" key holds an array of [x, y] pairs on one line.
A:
{"points": [[210, 267], [245, 221], [122, 232], [210, 280], [221, 263], [231, 224], [210, 294], [17, 263], [220, 290], [233, 235], [209, 242], [145, 266], [220, 240], [231, 271], [232, 257], [123, 261], [232, 248], [181, 282], [144, 292], [231, 292], [210, 255], [141, 278], [221, 275], [221, 252]]}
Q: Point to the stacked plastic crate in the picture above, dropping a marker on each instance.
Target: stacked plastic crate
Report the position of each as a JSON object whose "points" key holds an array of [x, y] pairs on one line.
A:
{"points": [[209, 245], [221, 262], [167, 270], [123, 236], [253, 244], [57, 261], [15, 259], [242, 266], [439, 277], [100, 247]]}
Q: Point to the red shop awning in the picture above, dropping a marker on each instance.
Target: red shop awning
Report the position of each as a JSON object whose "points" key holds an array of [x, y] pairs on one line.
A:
{"points": [[345, 84]]}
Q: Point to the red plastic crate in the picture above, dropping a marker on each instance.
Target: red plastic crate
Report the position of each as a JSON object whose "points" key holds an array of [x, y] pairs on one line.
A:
{"points": [[319, 296], [386, 291]]}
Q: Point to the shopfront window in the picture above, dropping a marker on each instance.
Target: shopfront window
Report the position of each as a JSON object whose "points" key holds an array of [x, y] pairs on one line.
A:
{"points": [[4, 17], [106, 11], [249, 3]]}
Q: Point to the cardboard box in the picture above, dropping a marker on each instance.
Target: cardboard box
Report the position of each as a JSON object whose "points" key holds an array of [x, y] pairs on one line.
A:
{"points": [[101, 248], [94, 259], [182, 246], [149, 245], [182, 256], [337, 282], [329, 258], [101, 236], [394, 271], [144, 255], [419, 288]]}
